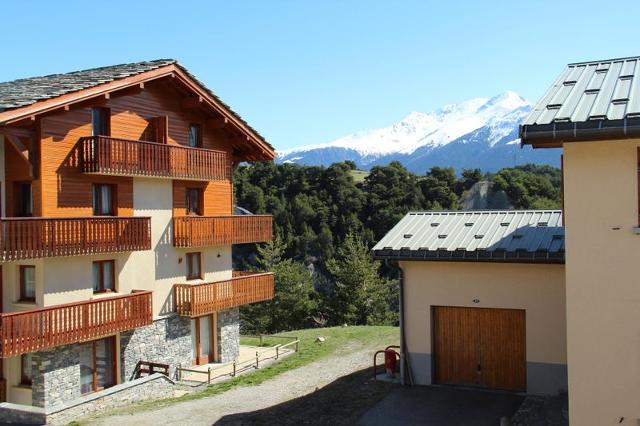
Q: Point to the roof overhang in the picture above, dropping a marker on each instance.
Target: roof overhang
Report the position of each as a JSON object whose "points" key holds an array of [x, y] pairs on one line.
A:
{"points": [[173, 71], [497, 256], [553, 135]]}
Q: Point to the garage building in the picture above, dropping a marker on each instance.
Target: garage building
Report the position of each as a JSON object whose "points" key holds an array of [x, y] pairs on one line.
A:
{"points": [[483, 298]]}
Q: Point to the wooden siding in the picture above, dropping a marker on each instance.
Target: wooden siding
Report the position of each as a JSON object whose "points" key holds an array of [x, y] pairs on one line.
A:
{"points": [[203, 231], [195, 300], [66, 191], [38, 329], [30, 238], [217, 197]]}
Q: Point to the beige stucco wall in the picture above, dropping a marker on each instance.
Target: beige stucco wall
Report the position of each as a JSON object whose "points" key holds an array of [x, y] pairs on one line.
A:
{"points": [[536, 288], [69, 279], [603, 289], [16, 393]]}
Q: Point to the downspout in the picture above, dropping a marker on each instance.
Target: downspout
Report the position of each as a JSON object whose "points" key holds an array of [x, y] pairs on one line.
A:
{"points": [[405, 365]]}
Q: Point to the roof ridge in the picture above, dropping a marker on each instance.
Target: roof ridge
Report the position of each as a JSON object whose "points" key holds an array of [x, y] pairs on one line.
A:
{"points": [[164, 62], [461, 212], [626, 58]]}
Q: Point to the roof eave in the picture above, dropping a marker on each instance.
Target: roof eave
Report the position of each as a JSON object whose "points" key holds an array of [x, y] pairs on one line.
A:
{"points": [[542, 257], [557, 133]]}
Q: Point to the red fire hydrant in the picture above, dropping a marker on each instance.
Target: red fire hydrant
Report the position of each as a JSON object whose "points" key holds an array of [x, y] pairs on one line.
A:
{"points": [[390, 362]]}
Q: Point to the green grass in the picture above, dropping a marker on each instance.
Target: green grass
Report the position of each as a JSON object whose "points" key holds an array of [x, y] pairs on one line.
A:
{"points": [[359, 175], [337, 340]]}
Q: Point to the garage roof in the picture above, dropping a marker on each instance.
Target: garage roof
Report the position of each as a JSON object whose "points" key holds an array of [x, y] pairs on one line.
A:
{"points": [[498, 236], [589, 100]]}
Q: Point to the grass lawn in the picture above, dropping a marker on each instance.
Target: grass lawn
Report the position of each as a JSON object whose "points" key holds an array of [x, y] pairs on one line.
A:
{"points": [[359, 175], [337, 340]]}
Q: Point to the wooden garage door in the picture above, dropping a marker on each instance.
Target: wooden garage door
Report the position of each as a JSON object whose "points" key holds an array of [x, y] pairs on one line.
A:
{"points": [[479, 347]]}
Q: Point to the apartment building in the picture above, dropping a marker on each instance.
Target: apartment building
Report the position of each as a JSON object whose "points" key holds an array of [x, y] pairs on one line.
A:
{"points": [[592, 111], [117, 229]]}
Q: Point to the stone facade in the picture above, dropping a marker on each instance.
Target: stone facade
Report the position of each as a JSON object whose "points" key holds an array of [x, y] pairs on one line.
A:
{"points": [[56, 376], [21, 414], [167, 341], [228, 334]]}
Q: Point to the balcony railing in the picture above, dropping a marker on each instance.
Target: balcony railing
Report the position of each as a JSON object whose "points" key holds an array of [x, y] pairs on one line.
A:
{"points": [[28, 238], [193, 300], [203, 231], [122, 157], [38, 329]]}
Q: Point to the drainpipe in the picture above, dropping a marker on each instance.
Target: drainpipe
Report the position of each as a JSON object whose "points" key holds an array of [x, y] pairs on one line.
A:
{"points": [[405, 367]]}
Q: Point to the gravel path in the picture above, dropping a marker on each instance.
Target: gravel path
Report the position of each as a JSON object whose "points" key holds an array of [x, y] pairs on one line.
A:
{"points": [[284, 387]]}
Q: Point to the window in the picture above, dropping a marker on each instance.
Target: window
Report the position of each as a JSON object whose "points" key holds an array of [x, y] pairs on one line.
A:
{"points": [[195, 136], [24, 199], [101, 122], [103, 196], [27, 283], [194, 201], [103, 276], [97, 365], [26, 368], [193, 266]]}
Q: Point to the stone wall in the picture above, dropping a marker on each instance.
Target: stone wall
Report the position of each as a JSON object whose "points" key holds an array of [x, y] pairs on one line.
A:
{"points": [[56, 376], [167, 341], [229, 334], [156, 386], [21, 414]]}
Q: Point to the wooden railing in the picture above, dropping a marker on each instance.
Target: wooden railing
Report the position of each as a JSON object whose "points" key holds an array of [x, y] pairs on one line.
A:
{"points": [[193, 300], [38, 329], [123, 157], [28, 238], [202, 231]]}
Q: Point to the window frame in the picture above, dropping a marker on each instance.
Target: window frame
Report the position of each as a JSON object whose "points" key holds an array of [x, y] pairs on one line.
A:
{"points": [[104, 114], [198, 141], [200, 198], [22, 298], [114, 354], [25, 380], [190, 273], [97, 208], [101, 288]]}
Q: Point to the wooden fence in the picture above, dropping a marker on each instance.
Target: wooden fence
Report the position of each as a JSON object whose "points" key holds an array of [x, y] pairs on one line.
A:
{"points": [[123, 157], [27, 238], [194, 300], [38, 329]]}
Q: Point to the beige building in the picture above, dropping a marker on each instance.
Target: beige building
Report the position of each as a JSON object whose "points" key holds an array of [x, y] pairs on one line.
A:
{"points": [[483, 298], [593, 112]]}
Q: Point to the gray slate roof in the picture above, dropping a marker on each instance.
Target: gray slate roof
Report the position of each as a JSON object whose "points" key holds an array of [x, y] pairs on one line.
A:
{"points": [[587, 100], [27, 91], [507, 235]]}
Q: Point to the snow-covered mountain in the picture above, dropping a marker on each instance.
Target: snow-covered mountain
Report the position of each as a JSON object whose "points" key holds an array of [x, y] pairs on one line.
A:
{"points": [[479, 132]]}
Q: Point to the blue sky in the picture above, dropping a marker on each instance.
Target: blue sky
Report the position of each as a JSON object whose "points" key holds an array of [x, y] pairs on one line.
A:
{"points": [[305, 72]]}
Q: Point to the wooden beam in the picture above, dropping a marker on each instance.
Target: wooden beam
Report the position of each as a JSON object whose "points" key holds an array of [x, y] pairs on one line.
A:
{"points": [[20, 132]]}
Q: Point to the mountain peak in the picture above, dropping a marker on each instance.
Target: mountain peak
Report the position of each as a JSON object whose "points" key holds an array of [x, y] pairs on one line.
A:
{"points": [[508, 100]]}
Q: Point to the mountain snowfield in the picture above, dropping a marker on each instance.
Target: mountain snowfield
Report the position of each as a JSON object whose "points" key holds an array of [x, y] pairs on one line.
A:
{"points": [[479, 132]]}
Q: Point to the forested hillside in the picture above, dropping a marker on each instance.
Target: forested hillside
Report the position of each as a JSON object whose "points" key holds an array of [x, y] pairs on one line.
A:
{"points": [[325, 220]]}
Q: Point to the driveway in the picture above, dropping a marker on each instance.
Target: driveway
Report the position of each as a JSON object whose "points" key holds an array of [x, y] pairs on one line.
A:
{"points": [[441, 406]]}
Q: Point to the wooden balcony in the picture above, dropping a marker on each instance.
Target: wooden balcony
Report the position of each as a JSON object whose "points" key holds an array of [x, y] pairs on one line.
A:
{"points": [[38, 329], [194, 300], [203, 231], [28, 238], [121, 157]]}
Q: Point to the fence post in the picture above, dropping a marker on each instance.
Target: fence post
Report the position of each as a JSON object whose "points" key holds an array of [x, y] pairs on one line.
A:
{"points": [[234, 368], [257, 360], [277, 351], [209, 375], [297, 343]]}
